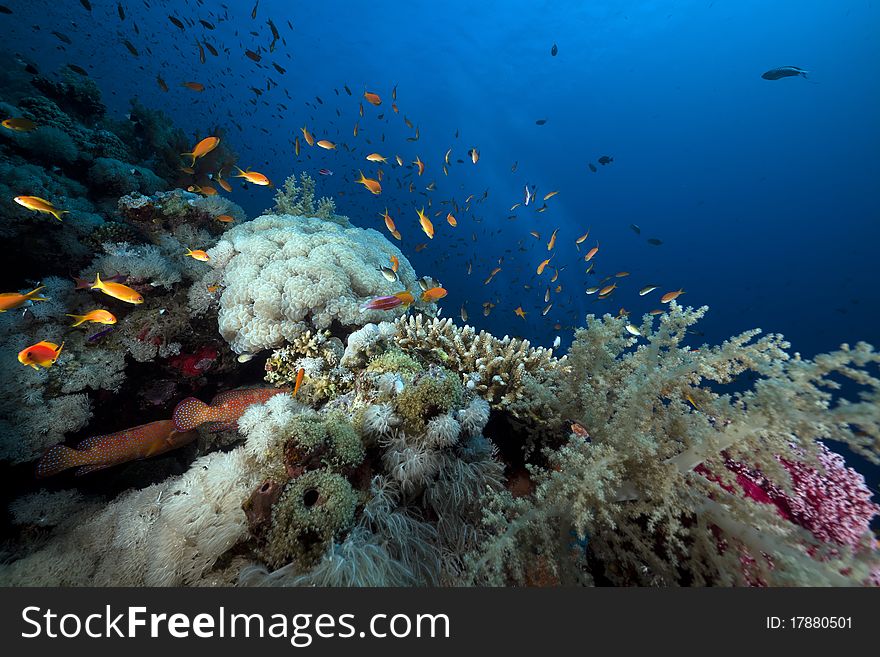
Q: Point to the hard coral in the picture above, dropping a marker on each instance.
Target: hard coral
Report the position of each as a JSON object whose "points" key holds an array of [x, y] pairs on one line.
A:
{"points": [[498, 370], [282, 275]]}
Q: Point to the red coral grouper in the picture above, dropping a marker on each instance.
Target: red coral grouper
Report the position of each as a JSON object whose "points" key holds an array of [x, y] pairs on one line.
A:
{"points": [[99, 452], [223, 411]]}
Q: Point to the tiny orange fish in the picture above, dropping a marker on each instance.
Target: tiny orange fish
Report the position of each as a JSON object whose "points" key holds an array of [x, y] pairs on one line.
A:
{"points": [[427, 226], [591, 253], [98, 316], [372, 98], [299, 379], [543, 264], [13, 300], [451, 220], [371, 184], [198, 254], [253, 177], [309, 137], [433, 294], [326, 144], [117, 291], [224, 219], [420, 165], [201, 149], [669, 296], [42, 354], [193, 86]]}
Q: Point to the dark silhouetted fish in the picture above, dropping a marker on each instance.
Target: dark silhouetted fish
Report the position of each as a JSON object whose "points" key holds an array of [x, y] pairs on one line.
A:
{"points": [[784, 72], [605, 159], [554, 50]]}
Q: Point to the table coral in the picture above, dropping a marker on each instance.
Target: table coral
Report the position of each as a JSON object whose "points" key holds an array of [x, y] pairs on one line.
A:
{"points": [[282, 275]]}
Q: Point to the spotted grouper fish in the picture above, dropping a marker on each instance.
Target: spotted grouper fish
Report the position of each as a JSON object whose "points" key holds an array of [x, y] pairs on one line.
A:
{"points": [[223, 411], [99, 452]]}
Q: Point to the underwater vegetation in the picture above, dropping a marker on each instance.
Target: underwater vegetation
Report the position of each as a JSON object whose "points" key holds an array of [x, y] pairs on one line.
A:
{"points": [[195, 396]]}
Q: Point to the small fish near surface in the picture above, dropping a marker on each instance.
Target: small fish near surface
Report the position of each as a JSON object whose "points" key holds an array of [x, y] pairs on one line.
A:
{"points": [[104, 451], [784, 72], [223, 411]]}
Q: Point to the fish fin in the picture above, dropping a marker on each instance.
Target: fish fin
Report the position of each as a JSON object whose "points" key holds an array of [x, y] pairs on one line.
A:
{"points": [[79, 319], [57, 459], [86, 469], [97, 283], [190, 413]]}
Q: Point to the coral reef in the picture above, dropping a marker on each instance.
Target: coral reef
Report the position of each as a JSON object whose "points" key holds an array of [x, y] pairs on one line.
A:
{"points": [[508, 373], [389, 448], [650, 493]]}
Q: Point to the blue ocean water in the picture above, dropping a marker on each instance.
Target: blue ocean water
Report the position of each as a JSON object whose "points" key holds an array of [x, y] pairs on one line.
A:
{"points": [[763, 193]]}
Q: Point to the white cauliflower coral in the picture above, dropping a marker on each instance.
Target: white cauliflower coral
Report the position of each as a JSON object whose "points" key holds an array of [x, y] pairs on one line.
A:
{"points": [[284, 274]]}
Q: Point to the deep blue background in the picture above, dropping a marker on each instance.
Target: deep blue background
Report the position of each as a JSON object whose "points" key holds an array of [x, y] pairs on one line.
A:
{"points": [[763, 193]]}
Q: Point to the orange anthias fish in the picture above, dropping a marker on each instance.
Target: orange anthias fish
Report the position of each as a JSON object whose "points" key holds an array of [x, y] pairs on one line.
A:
{"points": [[13, 300], [299, 379], [309, 137], [427, 226], [372, 98], [520, 312], [253, 177], [98, 316], [669, 296], [201, 149], [433, 294], [388, 303], [224, 410], [223, 183], [389, 222], [395, 263], [99, 452], [198, 254], [375, 157], [42, 354], [40, 205], [579, 430], [224, 218], [326, 144], [419, 164], [451, 220], [591, 253], [19, 124], [543, 264], [193, 86], [552, 241], [117, 291], [373, 185]]}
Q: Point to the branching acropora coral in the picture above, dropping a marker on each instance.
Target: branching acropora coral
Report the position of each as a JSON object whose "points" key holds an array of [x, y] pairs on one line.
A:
{"points": [[498, 370]]}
